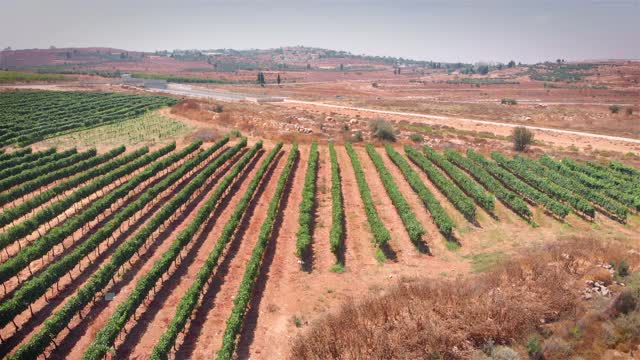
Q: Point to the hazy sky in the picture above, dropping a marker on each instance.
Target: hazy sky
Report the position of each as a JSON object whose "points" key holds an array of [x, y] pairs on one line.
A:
{"points": [[456, 30]]}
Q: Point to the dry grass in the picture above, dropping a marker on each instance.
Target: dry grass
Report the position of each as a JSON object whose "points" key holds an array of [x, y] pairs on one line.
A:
{"points": [[450, 318]]}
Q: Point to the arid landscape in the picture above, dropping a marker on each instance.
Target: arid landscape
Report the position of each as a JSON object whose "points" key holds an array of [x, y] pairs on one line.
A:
{"points": [[307, 203]]}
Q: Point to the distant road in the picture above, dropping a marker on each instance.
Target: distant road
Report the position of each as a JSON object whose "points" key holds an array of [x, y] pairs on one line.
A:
{"points": [[439, 117]]}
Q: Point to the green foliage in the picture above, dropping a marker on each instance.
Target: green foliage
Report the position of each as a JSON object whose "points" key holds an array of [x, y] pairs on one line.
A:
{"points": [[43, 216], [554, 172], [466, 184], [534, 347], [14, 76], [614, 109], [509, 198], [181, 79], [21, 163], [39, 284], [107, 335], [307, 205], [519, 186], [30, 116], [416, 138], [241, 301], [520, 169], [411, 223], [439, 215], [522, 138], [189, 301], [507, 101], [380, 233], [336, 235], [446, 186], [382, 130]]}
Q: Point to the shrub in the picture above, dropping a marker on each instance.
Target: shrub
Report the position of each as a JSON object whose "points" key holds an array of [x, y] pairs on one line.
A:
{"points": [[629, 111], [507, 101], [622, 269], [627, 301], [382, 130], [534, 348], [522, 138], [614, 109], [218, 109], [356, 137], [416, 138], [504, 353]]}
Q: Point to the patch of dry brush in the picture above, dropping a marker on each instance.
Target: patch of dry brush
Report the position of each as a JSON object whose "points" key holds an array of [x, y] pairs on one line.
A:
{"points": [[449, 318]]}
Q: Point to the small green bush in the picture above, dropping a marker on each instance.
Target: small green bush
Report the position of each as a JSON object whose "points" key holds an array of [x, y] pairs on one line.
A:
{"points": [[534, 348], [614, 109], [416, 138], [382, 130], [522, 138], [622, 269], [357, 137], [506, 101]]}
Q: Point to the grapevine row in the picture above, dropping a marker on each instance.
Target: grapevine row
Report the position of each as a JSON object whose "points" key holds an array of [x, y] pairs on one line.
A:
{"points": [[608, 204], [21, 163], [18, 231], [8, 158], [380, 233], [123, 253], [50, 177], [36, 286], [412, 225], [306, 210], [465, 183], [190, 300], [519, 186], [25, 176], [439, 215], [448, 188], [11, 214], [519, 169], [337, 208], [508, 197], [107, 335], [235, 320]]}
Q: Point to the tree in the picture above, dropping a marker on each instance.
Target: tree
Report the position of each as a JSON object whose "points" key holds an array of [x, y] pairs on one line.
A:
{"points": [[483, 69], [511, 64], [261, 78], [341, 67], [308, 66], [522, 138], [278, 79]]}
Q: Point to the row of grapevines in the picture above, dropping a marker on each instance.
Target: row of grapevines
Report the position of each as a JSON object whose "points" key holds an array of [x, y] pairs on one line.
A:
{"points": [[25, 176], [508, 197], [519, 186], [8, 158], [235, 320], [190, 300], [466, 184], [608, 204], [448, 188], [303, 243], [520, 169], [439, 215], [380, 233], [411, 224], [37, 285], [624, 169], [336, 234], [605, 182], [612, 192], [18, 231], [123, 253], [107, 335], [11, 214], [47, 178], [21, 163], [613, 174], [34, 164]]}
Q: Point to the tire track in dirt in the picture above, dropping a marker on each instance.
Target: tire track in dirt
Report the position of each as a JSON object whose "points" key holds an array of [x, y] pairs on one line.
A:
{"points": [[158, 314], [76, 342], [204, 332]]}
